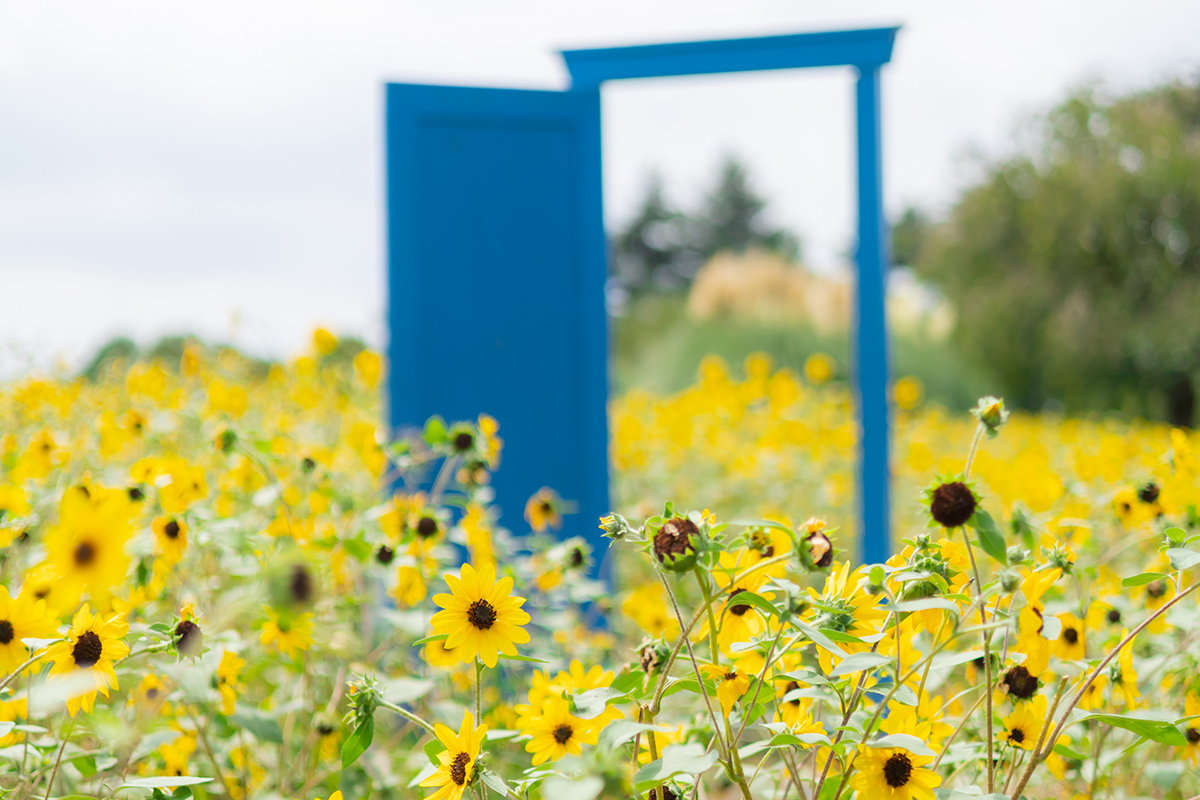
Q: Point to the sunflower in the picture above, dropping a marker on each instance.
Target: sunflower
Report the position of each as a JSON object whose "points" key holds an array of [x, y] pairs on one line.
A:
{"points": [[228, 680], [175, 754], [843, 606], [556, 731], [1070, 644], [457, 760], [893, 773], [288, 632], [731, 683], [1191, 708], [1024, 724], [481, 618], [172, 538], [21, 617], [87, 547], [544, 510], [1030, 621], [93, 645], [1125, 677]]}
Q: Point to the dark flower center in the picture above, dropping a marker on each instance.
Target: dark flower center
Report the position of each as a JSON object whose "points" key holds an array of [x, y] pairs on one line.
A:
{"points": [[547, 508], [1193, 735], [952, 504], [308, 464], [1070, 635], [1126, 508], [324, 729], [301, 584], [730, 676], [1017, 735], [463, 441], [189, 639], [576, 557], [6, 631], [672, 538], [1149, 492], [1113, 616], [88, 649], [562, 734], [136, 493], [171, 529], [1019, 683], [458, 768], [791, 687], [152, 693], [481, 614], [821, 549], [897, 770], [384, 554], [85, 554], [427, 526], [1156, 589], [741, 608]]}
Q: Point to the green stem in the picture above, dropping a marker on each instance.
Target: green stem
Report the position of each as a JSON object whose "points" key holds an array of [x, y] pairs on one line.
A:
{"points": [[406, 714], [714, 651], [66, 735], [987, 656], [478, 690]]}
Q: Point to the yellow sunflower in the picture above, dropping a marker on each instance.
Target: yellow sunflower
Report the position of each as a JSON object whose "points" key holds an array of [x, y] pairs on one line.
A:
{"points": [[21, 617], [1125, 677], [1023, 726], [172, 538], [544, 510], [288, 632], [731, 683], [893, 773], [1070, 644], [92, 645], [457, 765], [1191, 751], [481, 618], [87, 547], [556, 731], [228, 680]]}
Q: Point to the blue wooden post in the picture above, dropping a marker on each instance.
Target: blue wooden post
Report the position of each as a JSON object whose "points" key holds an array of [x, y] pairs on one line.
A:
{"points": [[871, 362]]}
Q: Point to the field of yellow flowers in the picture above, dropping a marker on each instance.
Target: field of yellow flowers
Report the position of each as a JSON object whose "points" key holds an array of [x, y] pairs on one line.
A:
{"points": [[220, 579]]}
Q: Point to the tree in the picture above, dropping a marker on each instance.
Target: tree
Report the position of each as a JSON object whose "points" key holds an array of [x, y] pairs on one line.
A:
{"points": [[1074, 268], [663, 247], [732, 218], [908, 236]]}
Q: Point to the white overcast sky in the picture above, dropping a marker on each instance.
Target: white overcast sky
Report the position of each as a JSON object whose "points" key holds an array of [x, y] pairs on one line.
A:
{"points": [[217, 167]]}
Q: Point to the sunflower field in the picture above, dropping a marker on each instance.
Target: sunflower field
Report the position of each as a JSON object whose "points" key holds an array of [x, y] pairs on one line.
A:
{"points": [[221, 579]]}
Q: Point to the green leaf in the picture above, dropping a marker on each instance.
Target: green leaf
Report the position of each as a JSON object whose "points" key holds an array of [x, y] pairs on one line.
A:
{"points": [[357, 742], [1156, 730], [85, 764], [688, 759], [1142, 578], [912, 744], [435, 638], [162, 781], [494, 782], [591, 704], [751, 599], [820, 639], [264, 728], [432, 748], [877, 575], [1182, 558], [990, 537], [857, 662], [524, 658], [435, 432], [926, 604]]}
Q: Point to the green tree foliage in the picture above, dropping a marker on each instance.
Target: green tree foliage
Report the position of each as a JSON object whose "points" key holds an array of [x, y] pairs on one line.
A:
{"points": [[1073, 267], [663, 247]]}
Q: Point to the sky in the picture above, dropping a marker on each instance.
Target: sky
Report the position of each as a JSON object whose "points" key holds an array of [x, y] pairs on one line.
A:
{"points": [[217, 168]]}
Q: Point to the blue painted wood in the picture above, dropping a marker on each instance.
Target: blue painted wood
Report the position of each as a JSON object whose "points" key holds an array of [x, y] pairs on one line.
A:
{"points": [[871, 363], [496, 282], [862, 48]]}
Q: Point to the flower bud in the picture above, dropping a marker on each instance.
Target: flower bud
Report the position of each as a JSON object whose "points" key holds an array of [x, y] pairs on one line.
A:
{"points": [[675, 544], [1009, 581], [991, 413], [615, 526]]}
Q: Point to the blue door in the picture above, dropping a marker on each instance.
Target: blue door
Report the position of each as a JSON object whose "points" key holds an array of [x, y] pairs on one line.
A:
{"points": [[496, 282]]}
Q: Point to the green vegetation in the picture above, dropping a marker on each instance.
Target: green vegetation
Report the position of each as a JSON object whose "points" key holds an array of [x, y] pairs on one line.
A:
{"points": [[1073, 267]]}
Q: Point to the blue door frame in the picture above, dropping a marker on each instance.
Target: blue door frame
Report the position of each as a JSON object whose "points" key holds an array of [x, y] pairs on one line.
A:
{"points": [[582, 403]]}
